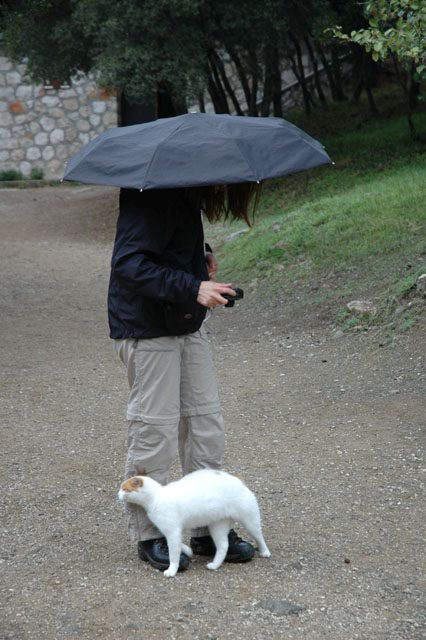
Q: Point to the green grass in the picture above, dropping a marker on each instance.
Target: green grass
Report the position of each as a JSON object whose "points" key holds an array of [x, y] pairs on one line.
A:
{"points": [[360, 223]]}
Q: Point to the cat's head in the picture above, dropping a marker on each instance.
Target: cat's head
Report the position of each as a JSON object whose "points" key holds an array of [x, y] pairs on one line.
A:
{"points": [[130, 488]]}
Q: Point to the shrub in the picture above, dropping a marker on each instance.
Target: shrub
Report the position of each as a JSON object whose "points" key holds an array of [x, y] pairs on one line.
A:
{"points": [[10, 174], [37, 173]]}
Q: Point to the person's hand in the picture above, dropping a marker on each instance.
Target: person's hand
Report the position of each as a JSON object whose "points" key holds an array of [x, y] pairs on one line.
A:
{"points": [[209, 293], [212, 265]]}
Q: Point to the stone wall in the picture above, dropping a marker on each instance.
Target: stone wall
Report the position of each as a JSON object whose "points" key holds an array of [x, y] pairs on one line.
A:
{"points": [[41, 127]]}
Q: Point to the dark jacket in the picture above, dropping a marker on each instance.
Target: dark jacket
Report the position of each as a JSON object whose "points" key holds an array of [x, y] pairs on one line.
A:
{"points": [[157, 266]]}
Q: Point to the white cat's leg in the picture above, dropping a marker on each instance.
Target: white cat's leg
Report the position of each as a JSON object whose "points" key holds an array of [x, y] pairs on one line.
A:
{"points": [[252, 523], [187, 551], [219, 532], [174, 543]]}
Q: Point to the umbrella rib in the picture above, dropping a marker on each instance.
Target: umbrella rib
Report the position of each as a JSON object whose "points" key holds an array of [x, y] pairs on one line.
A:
{"points": [[254, 172], [157, 148]]}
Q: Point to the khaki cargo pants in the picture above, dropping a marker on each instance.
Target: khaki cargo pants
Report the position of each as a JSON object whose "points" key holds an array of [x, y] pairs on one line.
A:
{"points": [[173, 406]]}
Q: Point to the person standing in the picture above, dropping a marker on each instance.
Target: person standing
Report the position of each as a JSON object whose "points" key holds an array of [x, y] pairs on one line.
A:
{"points": [[161, 287]]}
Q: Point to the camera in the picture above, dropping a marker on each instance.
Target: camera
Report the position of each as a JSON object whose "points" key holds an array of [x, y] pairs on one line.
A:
{"points": [[231, 299]]}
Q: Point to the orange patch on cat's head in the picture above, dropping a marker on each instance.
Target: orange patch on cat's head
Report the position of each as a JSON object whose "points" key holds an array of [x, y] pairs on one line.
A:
{"points": [[132, 484]]}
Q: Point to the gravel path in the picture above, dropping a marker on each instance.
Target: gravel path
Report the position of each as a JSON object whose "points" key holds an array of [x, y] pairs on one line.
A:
{"points": [[329, 433]]}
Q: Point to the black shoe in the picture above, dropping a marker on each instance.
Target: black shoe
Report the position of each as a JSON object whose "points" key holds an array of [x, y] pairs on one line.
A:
{"points": [[156, 553], [238, 551]]}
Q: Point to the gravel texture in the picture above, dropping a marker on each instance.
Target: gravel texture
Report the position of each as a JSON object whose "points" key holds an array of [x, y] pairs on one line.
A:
{"points": [[328, 431]]}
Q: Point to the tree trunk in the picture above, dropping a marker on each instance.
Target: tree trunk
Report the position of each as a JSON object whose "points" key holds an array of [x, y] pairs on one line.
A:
{"points": [[327, 69], [220, 90], [358, 54], [299, 72], [368, 73], [403, 82], [241, 74], [267, 84], [201, 103], [317, 78], [254, 85], [337, 73], [226, 83], [215, 96], [276, 85], [414, 88]]}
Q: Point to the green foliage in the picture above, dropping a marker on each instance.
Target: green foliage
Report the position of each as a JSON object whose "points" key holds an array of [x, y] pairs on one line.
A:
{"points": [[37, 173], [396, 27], [10, 175]]}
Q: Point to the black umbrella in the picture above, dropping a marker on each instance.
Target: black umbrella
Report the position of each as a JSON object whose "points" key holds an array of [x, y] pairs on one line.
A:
{"points": [[195, 149]]}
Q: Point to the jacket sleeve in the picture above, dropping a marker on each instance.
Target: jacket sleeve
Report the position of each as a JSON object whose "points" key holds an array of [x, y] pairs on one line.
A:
{"points": [[142, 237]]}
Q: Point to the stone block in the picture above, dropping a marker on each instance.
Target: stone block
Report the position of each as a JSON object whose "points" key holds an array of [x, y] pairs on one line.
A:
{"points": [[50, 101], [47, 123], [3, 106], [98, 106], [110, 119], [5, 119], [34, 127], [83, 125], [25, 92], [41, 138], [16, 106], [33, 153], [9, 143], [4, 155], [48, 153], [19, 131], [67, 93], [5, 133], [75, 147], [62, 152], [17, 155], [7, 93], [23, 118], [94, 119], [84, 111], [55, 169], [5, 64], [73, 116], [13, 78], [56, 113], [71, 104], [57, 136], [70, 134], [25, 168], [84, 138]]}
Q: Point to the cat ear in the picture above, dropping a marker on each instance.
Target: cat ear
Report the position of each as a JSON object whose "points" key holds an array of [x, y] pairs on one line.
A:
{"points": [[132, 484]]}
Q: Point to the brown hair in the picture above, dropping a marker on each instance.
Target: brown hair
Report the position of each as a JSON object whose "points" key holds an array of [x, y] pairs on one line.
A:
{"points": [[225, 201]]}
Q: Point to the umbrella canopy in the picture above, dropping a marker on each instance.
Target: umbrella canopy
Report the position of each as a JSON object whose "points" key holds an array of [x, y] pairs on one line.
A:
{"points": [[195, 149]]}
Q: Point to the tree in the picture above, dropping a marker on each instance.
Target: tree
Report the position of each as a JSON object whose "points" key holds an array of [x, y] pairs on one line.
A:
{"points": [[397, 29]]}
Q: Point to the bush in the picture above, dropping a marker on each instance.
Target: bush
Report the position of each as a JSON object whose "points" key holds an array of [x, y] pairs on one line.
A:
{"points": [[37, 173], [10, 174]]}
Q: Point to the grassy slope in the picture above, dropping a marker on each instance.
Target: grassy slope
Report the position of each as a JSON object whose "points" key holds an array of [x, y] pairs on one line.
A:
{"points": [[360, 224]]}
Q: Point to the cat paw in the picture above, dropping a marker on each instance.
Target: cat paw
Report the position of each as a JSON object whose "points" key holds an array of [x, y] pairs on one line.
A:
{"points": [[170, 573], [265, 554], [212, 566]]}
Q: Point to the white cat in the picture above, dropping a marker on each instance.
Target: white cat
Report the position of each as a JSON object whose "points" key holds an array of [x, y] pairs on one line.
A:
{"points": [[203, 498]]}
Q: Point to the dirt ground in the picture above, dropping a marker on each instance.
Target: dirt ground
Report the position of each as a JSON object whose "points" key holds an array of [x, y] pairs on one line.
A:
{"points": [[329, 432]]}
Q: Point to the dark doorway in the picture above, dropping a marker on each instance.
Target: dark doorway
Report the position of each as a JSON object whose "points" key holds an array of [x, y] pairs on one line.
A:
{"points": [[135, 112]]}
